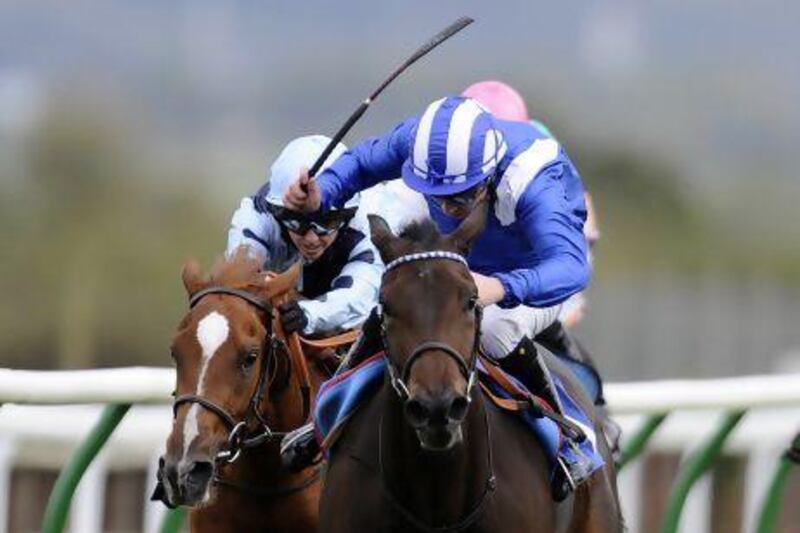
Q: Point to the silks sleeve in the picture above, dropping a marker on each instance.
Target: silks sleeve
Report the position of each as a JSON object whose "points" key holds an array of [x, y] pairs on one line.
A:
{"points": [[556, 233], [366, 164]]}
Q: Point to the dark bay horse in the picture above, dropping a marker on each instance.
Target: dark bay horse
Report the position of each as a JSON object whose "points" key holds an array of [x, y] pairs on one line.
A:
{"points": [[428, 452], [241, 384]]}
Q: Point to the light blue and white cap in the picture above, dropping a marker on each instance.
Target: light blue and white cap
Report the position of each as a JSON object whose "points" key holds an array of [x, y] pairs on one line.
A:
{"points": [[299, 153], [456, 145]]}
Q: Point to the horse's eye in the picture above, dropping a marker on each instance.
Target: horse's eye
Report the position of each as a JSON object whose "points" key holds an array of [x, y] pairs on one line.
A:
{"points": [[250, 360], [472, 302]]}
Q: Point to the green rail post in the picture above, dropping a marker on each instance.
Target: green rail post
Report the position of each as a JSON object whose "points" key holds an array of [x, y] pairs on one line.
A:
{"points": [[55, 515], [637, 443], [771, 508], [173, 520], [695, 467]]}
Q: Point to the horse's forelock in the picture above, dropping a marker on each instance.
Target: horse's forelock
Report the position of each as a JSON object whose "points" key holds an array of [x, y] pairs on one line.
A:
{"points": [[423, 234]]}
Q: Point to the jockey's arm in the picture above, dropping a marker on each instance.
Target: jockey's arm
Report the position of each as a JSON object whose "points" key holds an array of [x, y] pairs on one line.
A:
{"points": [[353, 294], [366, 164], [556, 234], [253, 228]]}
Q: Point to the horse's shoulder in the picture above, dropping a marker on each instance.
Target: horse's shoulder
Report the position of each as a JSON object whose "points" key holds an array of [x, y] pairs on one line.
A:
{"points": [[359, 442]]}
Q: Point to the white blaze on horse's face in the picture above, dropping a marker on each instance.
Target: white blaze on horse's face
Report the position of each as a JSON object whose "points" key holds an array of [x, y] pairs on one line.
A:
{"points": [[212, 332]]}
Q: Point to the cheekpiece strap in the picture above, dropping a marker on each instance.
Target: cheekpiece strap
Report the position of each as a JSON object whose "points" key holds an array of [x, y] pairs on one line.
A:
{"points": [[423, 256]]}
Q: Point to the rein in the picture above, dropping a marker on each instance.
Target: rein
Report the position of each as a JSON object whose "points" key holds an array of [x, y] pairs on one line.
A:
{"points": [[238, 438]]}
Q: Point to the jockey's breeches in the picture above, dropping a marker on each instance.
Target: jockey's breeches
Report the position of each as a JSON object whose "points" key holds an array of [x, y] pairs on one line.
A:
{"points": [[503, 329]]}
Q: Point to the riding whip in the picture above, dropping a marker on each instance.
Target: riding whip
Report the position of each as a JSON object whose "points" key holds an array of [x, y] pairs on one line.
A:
{"points": [[435, 41]]}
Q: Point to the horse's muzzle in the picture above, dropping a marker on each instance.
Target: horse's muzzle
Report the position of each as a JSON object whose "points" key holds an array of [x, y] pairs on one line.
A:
{"points": [[437, 418], [160, 492], [183, 483]]}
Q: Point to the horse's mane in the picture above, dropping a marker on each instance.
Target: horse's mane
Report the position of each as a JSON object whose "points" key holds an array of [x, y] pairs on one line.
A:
{"points": [[238, 269], [422, 233]]}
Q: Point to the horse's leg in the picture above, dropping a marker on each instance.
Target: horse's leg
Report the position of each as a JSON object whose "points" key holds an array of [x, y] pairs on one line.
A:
{"points": [[596, 507], [353, 495], [354, 502]]}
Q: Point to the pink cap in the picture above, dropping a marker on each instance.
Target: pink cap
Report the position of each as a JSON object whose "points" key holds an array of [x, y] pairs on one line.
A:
{"points": [[502, 100]]}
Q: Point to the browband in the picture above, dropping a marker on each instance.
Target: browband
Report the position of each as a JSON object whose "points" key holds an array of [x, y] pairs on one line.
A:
{"points": [[421, 256], [250, 297]]}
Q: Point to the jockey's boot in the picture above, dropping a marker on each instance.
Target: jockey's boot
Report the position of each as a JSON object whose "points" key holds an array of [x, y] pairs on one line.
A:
{"points": [[558, 340], [527, 365], [561, 342], [299, 448]]}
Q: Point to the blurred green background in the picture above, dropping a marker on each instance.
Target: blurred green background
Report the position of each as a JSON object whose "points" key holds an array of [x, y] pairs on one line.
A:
{"points": [[130, 130]]}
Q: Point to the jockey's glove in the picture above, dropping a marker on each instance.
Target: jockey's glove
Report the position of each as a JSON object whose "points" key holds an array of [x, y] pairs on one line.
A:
{"points": [[293, 318]]}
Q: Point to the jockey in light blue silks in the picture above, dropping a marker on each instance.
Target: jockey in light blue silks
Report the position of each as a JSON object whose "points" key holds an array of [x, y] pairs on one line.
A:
{"points": [[532, 254], [341, 270]]}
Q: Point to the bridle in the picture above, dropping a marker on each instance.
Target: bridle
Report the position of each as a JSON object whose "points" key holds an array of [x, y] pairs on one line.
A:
{"points": [[239, 436], [468, 370], [399, 380]]}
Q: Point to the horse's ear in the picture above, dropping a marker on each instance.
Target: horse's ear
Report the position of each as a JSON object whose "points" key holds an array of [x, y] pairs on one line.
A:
{"points": [[463, 237], [382, 237], [192, 276], [282, 283]]}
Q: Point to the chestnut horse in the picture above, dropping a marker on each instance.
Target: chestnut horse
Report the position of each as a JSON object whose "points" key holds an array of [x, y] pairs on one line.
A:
{"points": [[428, 452], [241, 385]]}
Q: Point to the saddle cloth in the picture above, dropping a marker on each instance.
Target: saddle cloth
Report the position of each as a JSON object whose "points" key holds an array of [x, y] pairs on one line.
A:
{"points": [[339, 398]]}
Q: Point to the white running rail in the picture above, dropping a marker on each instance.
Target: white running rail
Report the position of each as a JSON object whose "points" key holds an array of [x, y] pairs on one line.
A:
{"points": [[44, 419]]}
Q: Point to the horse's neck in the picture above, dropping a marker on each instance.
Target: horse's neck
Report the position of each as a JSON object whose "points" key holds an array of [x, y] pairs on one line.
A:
{"points": [[436, 487], [258, 466]]}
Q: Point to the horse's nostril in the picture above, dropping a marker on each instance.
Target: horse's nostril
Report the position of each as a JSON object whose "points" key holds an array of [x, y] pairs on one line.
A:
{"points": [[199, 475], [416, 413], [458, 409]]}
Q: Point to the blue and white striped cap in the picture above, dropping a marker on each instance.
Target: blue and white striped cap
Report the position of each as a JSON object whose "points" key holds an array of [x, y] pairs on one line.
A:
{"points": [[456, 145]]}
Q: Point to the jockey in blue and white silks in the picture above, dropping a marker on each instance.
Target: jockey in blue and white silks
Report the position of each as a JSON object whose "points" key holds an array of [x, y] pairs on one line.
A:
{"points": [[532, 255], [341, 268], [506, 103]]}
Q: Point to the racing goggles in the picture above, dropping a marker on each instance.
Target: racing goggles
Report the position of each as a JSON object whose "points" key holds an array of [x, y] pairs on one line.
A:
{"points": [[462, 199], [321, 224]]}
